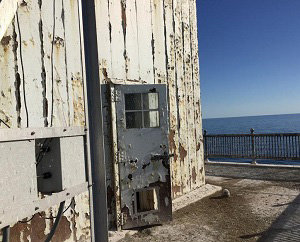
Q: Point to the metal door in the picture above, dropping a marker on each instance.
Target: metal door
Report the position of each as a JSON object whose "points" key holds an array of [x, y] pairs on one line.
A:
{"points": [[142, 127]]}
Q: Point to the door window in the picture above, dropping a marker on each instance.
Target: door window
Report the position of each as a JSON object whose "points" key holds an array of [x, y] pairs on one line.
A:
{"points": [[141, 110]]}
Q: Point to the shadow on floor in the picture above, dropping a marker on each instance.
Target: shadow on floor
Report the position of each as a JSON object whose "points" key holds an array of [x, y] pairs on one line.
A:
{"points": [[286, 228]]}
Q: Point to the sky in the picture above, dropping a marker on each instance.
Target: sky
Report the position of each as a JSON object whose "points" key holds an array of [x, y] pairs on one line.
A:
{"points": [[249, 53]]}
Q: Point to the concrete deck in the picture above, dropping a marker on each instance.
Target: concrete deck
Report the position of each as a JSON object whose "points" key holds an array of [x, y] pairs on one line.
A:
{"points": [[257, 210], [178, 203]]}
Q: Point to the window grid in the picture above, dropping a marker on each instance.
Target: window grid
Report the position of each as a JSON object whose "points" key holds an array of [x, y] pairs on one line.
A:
{"points": [[142, 110]]}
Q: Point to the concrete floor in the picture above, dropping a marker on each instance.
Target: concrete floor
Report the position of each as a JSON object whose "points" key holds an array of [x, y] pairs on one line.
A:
{"points": [[257, 210], [177, 204]]}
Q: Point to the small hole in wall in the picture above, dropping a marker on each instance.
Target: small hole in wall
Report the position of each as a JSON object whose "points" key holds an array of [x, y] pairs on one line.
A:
{"points": [[146, 200]]}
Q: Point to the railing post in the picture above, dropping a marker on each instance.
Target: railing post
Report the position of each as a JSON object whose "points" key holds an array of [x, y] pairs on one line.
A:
{"points": [[205, 145], [253, 146]]}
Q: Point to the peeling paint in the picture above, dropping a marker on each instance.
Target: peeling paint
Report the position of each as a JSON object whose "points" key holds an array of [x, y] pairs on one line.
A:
{"points": [[166, 54], [139, 42], [34, 33], [183, 153]]}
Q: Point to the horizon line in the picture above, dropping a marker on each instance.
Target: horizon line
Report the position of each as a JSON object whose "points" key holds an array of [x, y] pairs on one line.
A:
{"points": [[254, 115]]}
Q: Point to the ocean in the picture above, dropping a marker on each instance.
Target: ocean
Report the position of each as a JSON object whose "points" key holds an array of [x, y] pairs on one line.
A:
{"points": [[284, 123]]}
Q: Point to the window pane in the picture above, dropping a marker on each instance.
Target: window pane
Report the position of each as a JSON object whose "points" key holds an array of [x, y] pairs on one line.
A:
{"points": [[151, 119], [133, 120], [150, 100], [133, 101]]}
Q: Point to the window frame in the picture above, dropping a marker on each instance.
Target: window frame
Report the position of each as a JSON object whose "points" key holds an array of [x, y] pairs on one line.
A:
{"points": [[142, 110]]}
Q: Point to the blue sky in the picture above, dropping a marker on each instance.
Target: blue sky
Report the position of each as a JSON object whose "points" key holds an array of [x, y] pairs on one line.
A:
{"points": [[249, 54]]}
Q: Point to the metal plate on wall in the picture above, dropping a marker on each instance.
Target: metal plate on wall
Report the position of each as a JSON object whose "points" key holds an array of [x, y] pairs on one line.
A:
{"points": [[18, 183], [62, 163]]}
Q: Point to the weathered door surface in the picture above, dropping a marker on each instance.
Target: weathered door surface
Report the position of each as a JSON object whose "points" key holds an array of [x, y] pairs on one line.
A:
{"points": [[142, 127]]}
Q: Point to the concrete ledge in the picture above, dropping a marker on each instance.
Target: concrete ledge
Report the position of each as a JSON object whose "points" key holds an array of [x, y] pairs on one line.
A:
{"points": [[250, 171], [195, 196]]}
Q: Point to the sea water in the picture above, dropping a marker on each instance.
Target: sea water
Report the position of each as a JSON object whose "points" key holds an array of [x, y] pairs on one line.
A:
{"points": [[285, 123]]}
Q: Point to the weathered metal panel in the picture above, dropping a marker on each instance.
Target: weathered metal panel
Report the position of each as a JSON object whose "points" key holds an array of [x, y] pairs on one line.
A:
{"points": [[145, 44], [172, 87], [65, 161], [158, 41], [46, 29], [23, 187], [200, 174], [137, 147], [137, 39], [189, 94], [129, 20], [113, 98], [104, 39], [181, 95], [110, 156], [117, 28], [43, 50], [9, 96], [74, 70], [29, 71], [59, 78]]}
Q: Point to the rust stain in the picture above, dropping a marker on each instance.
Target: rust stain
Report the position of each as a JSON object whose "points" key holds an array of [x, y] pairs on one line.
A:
{"points": [[20, 231], [58, 41], [183, 153], [78, 99], [176, 190], [63, 231], [33, 229], [201, 170], [104, 71], [5, 40], [172, 144], [194, 175], [74, 228], [171, 139]]}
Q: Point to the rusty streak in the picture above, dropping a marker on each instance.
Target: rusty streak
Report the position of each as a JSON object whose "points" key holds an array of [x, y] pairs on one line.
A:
{"points": [[183, 153]]}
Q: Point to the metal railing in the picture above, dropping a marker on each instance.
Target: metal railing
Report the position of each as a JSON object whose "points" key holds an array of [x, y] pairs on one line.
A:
{"points": [[283, 146]]}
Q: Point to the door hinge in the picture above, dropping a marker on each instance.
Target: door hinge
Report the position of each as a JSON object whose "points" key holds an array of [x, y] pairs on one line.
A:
{"points": [[122, 219], [120, 156], [115, 95]]}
